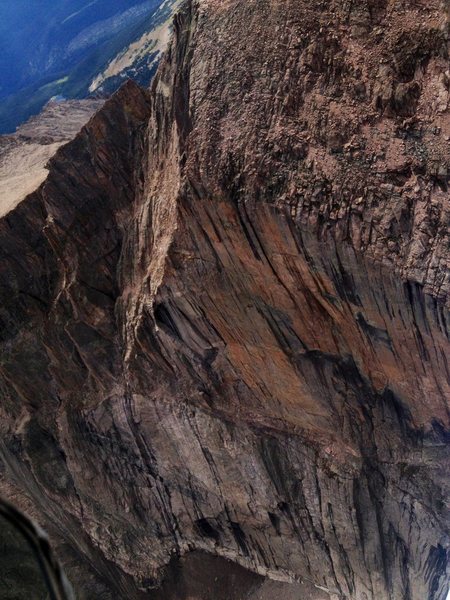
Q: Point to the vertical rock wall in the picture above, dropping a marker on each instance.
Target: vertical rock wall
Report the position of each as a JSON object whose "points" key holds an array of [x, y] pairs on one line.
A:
{"points": [[225, 314]]}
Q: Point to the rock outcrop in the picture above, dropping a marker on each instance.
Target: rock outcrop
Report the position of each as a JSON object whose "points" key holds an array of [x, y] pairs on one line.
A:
{"points": [[225, 315]]}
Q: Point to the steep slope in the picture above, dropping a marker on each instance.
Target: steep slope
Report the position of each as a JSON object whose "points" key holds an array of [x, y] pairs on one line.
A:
{"points": [[100, 167], [225, 314], [60, 48]]}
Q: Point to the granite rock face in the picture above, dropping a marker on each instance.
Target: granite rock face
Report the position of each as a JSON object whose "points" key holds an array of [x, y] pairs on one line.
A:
{"points": [[225, 315]]}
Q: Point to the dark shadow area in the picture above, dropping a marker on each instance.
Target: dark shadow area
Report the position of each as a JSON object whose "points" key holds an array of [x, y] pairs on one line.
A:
{"points": [[20, 575]]}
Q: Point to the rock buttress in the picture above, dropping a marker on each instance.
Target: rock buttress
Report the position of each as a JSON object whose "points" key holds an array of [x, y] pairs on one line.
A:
{"points": [[226, 311]]}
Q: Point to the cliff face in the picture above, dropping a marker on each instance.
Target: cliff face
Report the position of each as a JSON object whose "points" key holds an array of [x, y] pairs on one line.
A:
{"points": [[225, 317]]}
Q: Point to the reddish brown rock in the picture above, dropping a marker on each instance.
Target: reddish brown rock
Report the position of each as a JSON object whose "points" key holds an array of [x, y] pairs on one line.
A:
{"points": [[225, 313]]}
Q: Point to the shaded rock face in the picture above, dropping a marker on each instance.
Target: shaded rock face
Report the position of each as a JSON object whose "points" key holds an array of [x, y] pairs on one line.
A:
{"points": [[224, 315]]}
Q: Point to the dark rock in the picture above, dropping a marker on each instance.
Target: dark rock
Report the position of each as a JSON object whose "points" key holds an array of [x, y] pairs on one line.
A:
{"points": [[232, 352]]}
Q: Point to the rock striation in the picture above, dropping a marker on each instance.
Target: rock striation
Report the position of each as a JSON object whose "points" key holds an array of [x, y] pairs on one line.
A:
{"points": [[225, 315]]}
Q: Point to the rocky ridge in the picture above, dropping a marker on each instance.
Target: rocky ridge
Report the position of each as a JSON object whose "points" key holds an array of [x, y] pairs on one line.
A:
{"points": [[24, 154], [225, 313]]}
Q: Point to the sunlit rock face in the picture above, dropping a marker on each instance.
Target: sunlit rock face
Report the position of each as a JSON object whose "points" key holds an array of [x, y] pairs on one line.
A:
{"points": [[225, 315]]}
